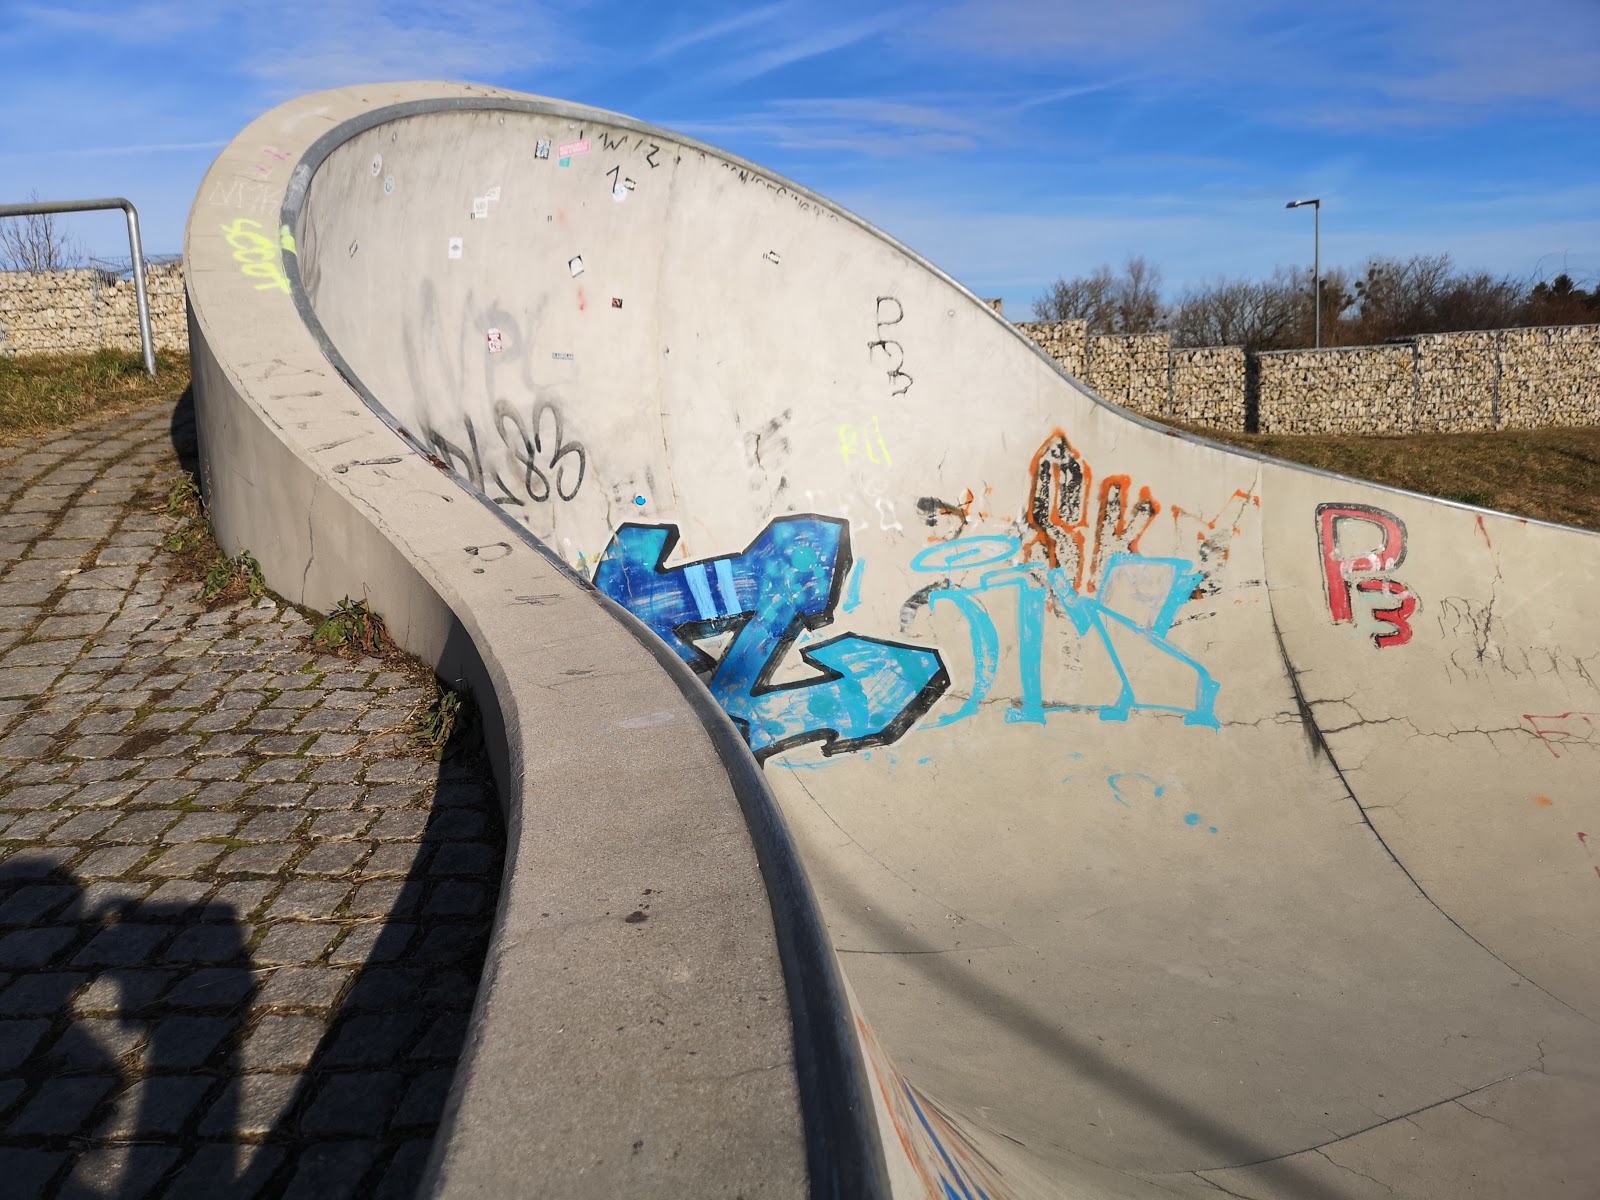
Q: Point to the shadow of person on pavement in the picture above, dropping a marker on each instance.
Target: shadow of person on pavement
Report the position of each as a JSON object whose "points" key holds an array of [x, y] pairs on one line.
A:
{"points": [[120, 1029]]}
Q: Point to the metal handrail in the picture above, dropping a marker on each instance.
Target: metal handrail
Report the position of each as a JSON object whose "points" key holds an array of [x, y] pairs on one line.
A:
{"points": [[135, 248]]}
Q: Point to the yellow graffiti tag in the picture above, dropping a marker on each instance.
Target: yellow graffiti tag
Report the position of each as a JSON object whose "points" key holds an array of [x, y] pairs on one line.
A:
{"points": [[868, 439], [257, 254]]}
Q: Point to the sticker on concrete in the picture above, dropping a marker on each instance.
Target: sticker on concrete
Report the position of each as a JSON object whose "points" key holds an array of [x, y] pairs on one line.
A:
{"points": [[572, 149], [455, 247], [561, 356], [619, 193], [497, 341], [616, 302], [772, 257], [575, 265], [565, 162], [388, 185], [377, 165], [542, 150], [480, 208], [493, 193]]}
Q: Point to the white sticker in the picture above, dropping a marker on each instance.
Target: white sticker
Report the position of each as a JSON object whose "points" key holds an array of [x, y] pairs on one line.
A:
{"points": [[493, 193], [388, 185], [575, 265], [480, 207], [455, 247], [542, 150], [561, 357], [619, 193], [772, 257], [497, 341], [629, 184], [377, 165]]}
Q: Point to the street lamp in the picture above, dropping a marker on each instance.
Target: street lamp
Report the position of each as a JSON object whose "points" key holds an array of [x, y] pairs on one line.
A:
{"points": [[1316, 251]]}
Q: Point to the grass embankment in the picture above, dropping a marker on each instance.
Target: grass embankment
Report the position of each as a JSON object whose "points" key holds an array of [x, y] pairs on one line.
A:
{"points": [[1550, 474], [42, 392]]}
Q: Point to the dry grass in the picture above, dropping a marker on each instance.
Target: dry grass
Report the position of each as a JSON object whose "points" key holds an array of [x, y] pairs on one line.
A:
{"points": [[42, 392], [1549, 474]]}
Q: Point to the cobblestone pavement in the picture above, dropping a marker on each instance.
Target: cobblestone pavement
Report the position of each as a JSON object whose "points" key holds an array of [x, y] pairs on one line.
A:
{"points": [[240, 926]]}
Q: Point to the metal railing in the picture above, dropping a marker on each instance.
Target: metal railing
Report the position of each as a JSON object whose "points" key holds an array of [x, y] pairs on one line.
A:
{"points": [[135, 249]]}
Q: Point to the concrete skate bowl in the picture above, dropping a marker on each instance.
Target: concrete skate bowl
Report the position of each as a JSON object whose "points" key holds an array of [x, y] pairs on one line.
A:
{"points": [[1182, 822]]}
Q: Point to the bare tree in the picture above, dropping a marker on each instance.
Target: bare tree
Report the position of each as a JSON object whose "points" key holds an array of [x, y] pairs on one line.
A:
{"points": [[1110, 303], [1424, 294], [36, 244]]}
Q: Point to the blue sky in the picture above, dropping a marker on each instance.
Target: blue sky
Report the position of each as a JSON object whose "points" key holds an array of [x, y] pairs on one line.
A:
{"points": [[1010, 141]]}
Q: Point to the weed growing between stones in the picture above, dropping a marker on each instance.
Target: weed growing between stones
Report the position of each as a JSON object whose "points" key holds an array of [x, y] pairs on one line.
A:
{"points": [[450, 724], [352, 629], [233, 579]]}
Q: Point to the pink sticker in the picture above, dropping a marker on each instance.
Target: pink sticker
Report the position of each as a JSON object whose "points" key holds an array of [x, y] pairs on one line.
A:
{"points": [[497, 341], [568, 149]]}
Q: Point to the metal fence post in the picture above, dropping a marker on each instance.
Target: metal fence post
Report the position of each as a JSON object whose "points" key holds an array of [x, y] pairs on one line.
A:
{"points": [[135, 248]]}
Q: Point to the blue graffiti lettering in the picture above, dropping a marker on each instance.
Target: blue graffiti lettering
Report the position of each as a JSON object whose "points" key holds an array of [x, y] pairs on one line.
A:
{"points": [[1138, 594], [867, 691]]}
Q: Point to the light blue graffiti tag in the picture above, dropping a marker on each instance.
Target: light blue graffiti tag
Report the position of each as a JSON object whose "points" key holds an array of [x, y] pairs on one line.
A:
{"points": [[869, 691], [1139, 594]]}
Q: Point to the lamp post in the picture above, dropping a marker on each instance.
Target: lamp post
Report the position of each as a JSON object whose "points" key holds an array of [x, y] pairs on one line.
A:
{"points": [[1316, 259]]}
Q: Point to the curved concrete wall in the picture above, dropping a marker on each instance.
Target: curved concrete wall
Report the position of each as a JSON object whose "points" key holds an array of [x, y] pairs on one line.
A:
{"points": [[1182, 820]]}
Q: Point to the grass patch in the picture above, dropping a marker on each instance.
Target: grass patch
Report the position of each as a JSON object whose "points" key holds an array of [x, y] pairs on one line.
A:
{"points": [[42, 392], [353, 630], [1548, 474]]}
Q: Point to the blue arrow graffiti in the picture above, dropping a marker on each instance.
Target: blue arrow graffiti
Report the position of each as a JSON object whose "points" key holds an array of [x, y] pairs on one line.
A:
{"points": [[866, 691]]}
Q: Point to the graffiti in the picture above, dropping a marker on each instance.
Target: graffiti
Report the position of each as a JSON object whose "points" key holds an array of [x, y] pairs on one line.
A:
{"points": [[1340, 570], [1568, 730], [258, 254], [1491, 649], [1138, 601], [866, 692], [946, 1160], [1059, 512], [1214, 538], [891, 312], [856, 440], [550, 464]]}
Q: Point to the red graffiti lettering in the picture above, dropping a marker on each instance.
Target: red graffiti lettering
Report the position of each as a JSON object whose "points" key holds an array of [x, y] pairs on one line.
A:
{"points": [[1340, 569]]}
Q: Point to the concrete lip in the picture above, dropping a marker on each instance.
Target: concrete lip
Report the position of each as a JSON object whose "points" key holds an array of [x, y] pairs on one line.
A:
{"points": [[1184, 822]]}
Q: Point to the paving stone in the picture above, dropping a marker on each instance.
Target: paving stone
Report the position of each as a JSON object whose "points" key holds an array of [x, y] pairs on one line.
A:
{"points": [[374, 943], [86, 826], [62, 1107], [453, 898], [202, 825], [97, 1044], [32, 826], [258, 860], [372, 1039], [39, 795], [402, 1180], [332, 1169], [223, 942], [183, 1043], [356, 1103], [274, 827], [304, 898], [424, 1100], [112, 861], [238, 899], [401, 826], [40, 993], [29, 905], [238, 1171], [128, 1172], [17, 1041], [34, 947], [212, 987], [295, 942], [185, 859], [142, 827], [335, 795], [280, 1042], [298, 987], [124, 944], [123, 992], [330, 826], [26, 1172], [338, 858]]}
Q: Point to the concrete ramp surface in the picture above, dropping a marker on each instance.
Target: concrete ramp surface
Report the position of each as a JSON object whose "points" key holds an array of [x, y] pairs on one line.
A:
{"points": [[1185, 823]]}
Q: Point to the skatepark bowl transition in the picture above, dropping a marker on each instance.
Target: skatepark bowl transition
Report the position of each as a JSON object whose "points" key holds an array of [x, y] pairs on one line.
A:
{"points": [[922, 777]]}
